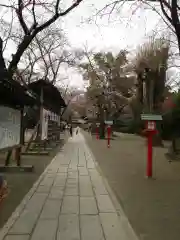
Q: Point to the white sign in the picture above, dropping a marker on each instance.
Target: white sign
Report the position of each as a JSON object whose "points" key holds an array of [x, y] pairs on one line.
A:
{"points": [[53, 116], [109, 122], [44, 132], [151, 117], [151, 125], [10, 127]]}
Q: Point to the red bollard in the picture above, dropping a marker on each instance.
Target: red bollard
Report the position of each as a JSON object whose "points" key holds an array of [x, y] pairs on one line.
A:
{"points": [[97, 132], [151, 130], [108, 135], [149, 155]]}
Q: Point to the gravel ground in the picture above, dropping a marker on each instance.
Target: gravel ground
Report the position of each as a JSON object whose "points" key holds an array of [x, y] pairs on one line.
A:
{"points": [[151, 205]]}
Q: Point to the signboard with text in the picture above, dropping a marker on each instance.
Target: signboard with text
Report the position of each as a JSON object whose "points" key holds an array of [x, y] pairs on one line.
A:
{"points": [[151, 117], [53, 116], [10, 126], [109, 122], [151, 125]]}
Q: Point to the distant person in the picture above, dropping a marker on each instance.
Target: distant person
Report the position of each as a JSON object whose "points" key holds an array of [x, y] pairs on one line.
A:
{"points": [[77, 130], [90, 128], [71, 130]]}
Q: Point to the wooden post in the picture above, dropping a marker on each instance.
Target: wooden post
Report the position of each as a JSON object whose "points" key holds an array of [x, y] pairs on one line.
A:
{"points": [[8, 157], [41, 114], [17, 154]]}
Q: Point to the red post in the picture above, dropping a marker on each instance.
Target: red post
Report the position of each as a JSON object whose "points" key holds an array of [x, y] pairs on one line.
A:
{"points": [[97, 132], [151, 130], [108, 135], [149, 155]]}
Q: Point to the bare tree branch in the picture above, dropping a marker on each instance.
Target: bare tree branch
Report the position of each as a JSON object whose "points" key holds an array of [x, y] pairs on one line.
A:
{"points": [[19, 12], [55, 72], [57, 15], [34, 15], [164, 11], [163, 18], [8, 6], [31, 33], [9, 33], [43, 58]]}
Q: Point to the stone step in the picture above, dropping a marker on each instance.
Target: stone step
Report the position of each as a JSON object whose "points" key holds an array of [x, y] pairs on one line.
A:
{"points": [[17, 169], [35, 149], [34, 153]]}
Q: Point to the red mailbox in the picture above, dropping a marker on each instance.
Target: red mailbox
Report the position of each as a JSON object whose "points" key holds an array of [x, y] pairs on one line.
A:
{"points": [[108, 135], [149, 132]]}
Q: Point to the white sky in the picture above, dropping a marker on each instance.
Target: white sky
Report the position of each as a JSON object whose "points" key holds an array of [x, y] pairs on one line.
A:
{"points": [[111, 35], [123, 30]]}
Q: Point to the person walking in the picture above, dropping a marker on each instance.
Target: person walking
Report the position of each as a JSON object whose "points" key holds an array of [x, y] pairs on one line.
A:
{"points": [[71, 130], [77, 130]]}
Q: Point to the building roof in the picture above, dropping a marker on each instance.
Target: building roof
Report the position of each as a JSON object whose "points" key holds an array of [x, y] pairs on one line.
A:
{"points": [[52, 99], [14, 95]]}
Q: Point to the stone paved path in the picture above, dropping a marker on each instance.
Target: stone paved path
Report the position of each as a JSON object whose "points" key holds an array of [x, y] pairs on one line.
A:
{"points": [[69, 202]]}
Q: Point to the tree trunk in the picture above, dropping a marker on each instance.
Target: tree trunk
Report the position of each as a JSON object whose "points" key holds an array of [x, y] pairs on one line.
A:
{"points": [[102, 124], [174, 142], [35, 132], [16, 57], [18, 156], [102, 130], [150, 86]]}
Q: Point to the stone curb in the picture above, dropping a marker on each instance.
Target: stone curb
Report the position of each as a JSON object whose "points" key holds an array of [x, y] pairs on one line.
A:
{"points": [[130, 233], [17, 212]]}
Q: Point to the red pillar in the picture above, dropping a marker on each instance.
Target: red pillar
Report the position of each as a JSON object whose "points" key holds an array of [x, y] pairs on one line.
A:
{"points": [[149, 155], [108, 136]]}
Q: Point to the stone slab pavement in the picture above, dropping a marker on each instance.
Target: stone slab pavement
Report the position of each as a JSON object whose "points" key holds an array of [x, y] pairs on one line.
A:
{"points": [[70, 201]]}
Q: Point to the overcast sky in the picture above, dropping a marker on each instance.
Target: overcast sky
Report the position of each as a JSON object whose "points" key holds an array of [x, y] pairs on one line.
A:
{"points": [[123, 30]]}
